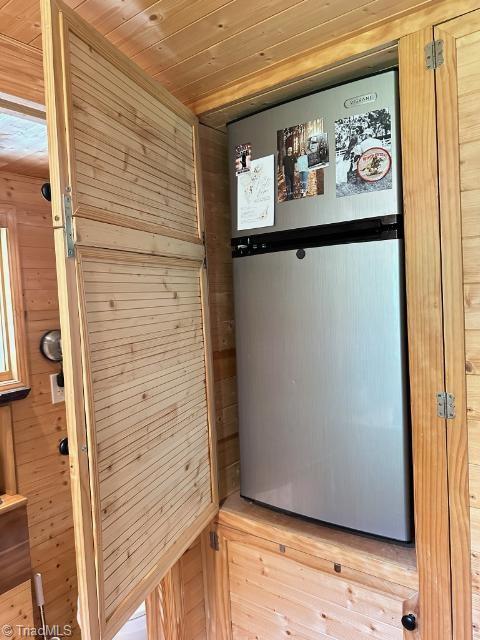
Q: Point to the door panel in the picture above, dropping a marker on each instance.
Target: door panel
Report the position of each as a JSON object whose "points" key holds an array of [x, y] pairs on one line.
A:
{"points": [[134, 319], [458, 95], [346, 304]]}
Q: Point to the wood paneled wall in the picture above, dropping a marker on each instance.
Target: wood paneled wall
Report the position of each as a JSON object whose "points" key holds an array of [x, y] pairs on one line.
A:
{"points": [[42, 474], [184, 579], [16, 611], [214, 157], [468, 92], [181, 599]]}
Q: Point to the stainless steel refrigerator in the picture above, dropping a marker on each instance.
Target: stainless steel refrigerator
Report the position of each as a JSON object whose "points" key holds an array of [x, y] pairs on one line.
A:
{"points": [[319, 315]]}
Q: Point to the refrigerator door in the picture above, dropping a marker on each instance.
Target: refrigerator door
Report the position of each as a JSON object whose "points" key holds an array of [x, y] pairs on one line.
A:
{"points": [[343, 101], [324, 424]]}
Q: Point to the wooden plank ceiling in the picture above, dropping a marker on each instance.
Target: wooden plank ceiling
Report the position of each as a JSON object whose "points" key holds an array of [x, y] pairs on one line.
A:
{"points": [[193, 47], [23, 145]]}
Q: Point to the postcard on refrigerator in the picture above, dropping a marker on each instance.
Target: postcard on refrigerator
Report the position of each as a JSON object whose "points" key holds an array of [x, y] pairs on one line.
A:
{"points": [[256, 194], [363, 149], [243, 157], [302, 156]]}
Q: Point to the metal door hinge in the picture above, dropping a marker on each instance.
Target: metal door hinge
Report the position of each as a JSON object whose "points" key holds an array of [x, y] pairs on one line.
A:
{"points": [[214, 543], [445, 405], [68, 220], [434, 54]]}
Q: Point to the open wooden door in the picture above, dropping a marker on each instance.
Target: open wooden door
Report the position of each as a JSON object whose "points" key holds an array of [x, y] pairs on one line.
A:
{"points": [[127, 212], [457, 77]]}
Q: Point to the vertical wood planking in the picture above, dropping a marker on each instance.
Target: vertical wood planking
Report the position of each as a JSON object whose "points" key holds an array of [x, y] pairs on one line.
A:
{"points": [[214, 155], [42, 474], [454, 334], [458, 86], [424, 311]]}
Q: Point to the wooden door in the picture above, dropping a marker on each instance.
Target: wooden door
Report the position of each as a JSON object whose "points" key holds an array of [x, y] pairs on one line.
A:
{"points": [[127, 212], [458, 118]]}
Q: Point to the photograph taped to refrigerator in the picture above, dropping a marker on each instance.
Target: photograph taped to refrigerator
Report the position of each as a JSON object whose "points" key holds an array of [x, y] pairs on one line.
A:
{"points": [[363, 150], [302, 156]]}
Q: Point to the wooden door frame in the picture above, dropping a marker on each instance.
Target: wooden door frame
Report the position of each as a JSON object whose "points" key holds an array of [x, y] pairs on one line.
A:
{"points": [[454, 317], [433, 459], [426, 358]]}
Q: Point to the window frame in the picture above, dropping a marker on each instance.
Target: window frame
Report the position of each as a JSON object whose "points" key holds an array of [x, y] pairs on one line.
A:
{"points": [[18, 376]]}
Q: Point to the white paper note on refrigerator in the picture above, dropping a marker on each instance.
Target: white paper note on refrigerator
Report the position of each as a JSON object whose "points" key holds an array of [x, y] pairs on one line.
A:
{"points": [[256, 194]]}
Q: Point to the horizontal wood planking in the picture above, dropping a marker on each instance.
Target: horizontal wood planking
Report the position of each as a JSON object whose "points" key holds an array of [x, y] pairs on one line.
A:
{"points": [[371, 557], [276, 596], [42, 474], [260, 85], [214, 52], [106, 103], [20, 69], [152, 451], [286, 578], [16, 611]]}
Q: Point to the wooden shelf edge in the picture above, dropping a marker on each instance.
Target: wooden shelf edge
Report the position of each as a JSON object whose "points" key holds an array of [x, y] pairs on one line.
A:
{"points": [[9, 502], [319, 540]]}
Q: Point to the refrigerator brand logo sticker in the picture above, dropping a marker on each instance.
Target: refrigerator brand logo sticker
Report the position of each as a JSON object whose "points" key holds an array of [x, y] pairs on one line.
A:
{"points": [[360, 100]]}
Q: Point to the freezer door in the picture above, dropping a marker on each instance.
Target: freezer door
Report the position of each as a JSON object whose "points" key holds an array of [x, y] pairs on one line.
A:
{"points": [[332, 104], [321, 353]]}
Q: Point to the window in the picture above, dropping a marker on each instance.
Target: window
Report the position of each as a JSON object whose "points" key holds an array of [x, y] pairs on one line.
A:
{"points": [[13, 367]]}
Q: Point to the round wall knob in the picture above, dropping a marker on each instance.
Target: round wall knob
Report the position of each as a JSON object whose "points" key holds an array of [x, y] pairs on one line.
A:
{"points": [[63, 447], [409, 622]]}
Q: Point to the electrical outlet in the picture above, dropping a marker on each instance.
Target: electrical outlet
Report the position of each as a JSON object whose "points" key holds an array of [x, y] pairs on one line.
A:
{"points": [[58, 393]]}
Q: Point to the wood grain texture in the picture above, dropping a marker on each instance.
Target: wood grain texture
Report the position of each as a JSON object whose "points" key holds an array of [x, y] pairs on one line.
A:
{"points": [[213, 53], [276, 576], [213, 149], [182, 601], [147, 362], [8, 472], [134, 321], [214, 155], [15, 565], [323, 54], [19, 376], [21, 70], [16, 610], [42, 474], [458, 84], [425, 331], [448, 122], [373, 557]]}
